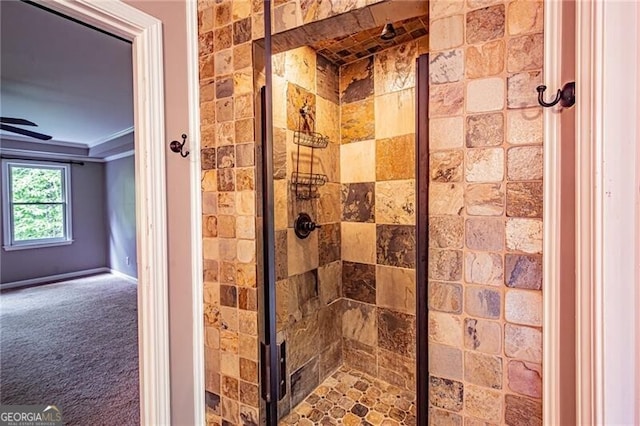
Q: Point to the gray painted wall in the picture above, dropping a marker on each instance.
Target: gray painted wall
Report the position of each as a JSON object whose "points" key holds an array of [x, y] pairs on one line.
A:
{"points": [[89, 248], [121, 215]]}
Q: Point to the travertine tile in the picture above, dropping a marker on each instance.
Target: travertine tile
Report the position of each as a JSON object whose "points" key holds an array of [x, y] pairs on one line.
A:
{"points": [[524, 199], [485, 60], [483, 302], [524, 126], [525, 53], [485, 24], [483, 336], [446, 100], [446, 393], [483, 370], [445, 265], [445, 361], [524, 235], [446, 33], [394, 158], [446, 199], [525, 163], [441, 417], [521, 89], [483, 403], [396, 288], [485, 94], [359, 242], [483, 268], [525, 378], [395, 202], [446, 232], [445, 297], [328, 119], [395, 68], [446, 133], [301, 67], [438, 8], [523, 343], [485, 199], [484, 234], [395, 114], [445, 328], [302, 255], [358, 162], [520, 410], [523, 307], [446, 67], [525, 16], [446, 166], [357, 121], [484, 165], [281, 190]]}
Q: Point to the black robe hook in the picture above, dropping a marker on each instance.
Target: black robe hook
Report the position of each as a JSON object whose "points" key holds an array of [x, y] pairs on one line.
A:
{"points": [[565, 96], [177, 146]]}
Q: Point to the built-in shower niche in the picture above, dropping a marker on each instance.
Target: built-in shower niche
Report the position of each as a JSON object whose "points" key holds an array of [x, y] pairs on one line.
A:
{"points": [[345, 294]]}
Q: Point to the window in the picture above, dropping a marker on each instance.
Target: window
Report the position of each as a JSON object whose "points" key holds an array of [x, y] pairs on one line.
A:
{"points": [[36, 204]]}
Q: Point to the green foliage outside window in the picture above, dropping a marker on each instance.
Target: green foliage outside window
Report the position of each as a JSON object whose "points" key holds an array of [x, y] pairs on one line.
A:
{"points": [[38, 203]]}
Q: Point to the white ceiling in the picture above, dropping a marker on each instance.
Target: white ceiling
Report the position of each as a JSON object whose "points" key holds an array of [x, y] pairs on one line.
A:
{"points": [[71, 80]]}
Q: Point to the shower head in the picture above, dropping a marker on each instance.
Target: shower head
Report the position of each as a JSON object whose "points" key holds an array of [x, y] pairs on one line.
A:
{"points": [[388, 32]]}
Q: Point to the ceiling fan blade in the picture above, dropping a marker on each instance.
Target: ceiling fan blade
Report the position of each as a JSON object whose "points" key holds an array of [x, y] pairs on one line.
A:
{"points": [[24, 132], [20, 121]]}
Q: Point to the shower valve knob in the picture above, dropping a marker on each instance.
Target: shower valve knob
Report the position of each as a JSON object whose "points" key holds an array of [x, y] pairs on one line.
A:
{"points": [[303, 225]]}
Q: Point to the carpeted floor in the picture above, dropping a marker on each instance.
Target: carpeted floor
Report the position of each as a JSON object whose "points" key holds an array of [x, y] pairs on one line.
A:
{"points": [[72, 344]]}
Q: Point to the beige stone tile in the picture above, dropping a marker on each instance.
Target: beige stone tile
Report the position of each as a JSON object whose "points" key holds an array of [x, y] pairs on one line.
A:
{"points": [[395, 202], [446, 166], [357, 121], [446, 133], [439, 8], [483, 403], [446, 232], [395, 68], [395, 114], [246, 251], [483, 336], [445, 297], [245, 203], [358, 162], [523, 343], [482, 302], [446, 99], [524, 126], [484, 268], [484, 165], [485, 60], [302, 255], [328, 205], [446, 67], [525, 378], [483, 370], [301, 67], [523, 307], [525, 163], [359, 323], [281, 191], [485, 24], [396, 288], [446, 33], [279, 102], [445, 265], [223, 62], [328, 119], [445, 328], [327, 162], [446, 199], [445, 361], [524, 235], [358, 242], [525, 53], [521, 89], [484, 234], [485, 94], [485, 199], [395, 158], [242, 82], [525, 16]]}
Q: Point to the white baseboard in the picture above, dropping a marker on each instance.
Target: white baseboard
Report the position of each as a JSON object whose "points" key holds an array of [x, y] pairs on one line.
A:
{"points": [[50, 278], [124, 276]]}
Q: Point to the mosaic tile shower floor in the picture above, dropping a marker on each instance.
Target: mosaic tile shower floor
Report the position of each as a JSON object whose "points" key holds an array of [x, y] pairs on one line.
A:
{"points": [[350, 397]]}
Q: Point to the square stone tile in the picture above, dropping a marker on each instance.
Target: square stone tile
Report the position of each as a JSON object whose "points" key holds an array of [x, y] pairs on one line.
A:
{"points": [[524, 235], [396, 245], [525, 163], [358, 162], [394, 158], [396, 288], [446, 67], [524, 126], [525, 16], [485, 60], [445, 297], [485, 130], [395, 68], [395, 114], [445, 328], [358, 202], [483, 302], [485, 94], [395, 202], [483, 268], [357, 121], [483, 336], [446, 100], [358, 242], [445, 361], [524, 307], [485, 24], [524, 199], [357, 80], [446, 33], [359, 282], [397, 332], [483, 370], [446, 133]]}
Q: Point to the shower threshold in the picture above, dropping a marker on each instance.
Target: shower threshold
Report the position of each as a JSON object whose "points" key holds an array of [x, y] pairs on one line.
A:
{"points": [[351, 397]]}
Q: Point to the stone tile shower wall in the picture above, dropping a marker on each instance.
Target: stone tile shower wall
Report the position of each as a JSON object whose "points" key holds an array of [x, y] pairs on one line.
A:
{"points": [[485, 224], [309, 306], [377, 105]]}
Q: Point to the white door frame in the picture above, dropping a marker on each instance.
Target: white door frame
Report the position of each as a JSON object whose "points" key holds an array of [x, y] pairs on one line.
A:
{"points": [[145, 32]]}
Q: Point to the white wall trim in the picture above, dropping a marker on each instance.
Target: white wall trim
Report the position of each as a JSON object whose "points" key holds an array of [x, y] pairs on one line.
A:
{"points": [[551, 218], [589, 46], [123, 276], [146, 33], [119, 156], [111, 137], [196, 213], [48, 155], [51, 278]]}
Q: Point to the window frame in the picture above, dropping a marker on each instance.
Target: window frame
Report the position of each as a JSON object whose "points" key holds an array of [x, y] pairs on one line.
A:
{"points": [[9, 242]]}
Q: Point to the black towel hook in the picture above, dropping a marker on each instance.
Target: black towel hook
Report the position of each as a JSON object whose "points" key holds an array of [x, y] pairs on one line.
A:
{"points": [[177, 146], [566, 96]]}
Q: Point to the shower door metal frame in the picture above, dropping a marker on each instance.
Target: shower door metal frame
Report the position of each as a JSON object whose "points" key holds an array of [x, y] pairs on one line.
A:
{"points": [[422, 239]]}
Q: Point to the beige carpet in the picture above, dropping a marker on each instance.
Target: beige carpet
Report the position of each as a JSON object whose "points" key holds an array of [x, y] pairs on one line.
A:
{"points": [[72, 344]]}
